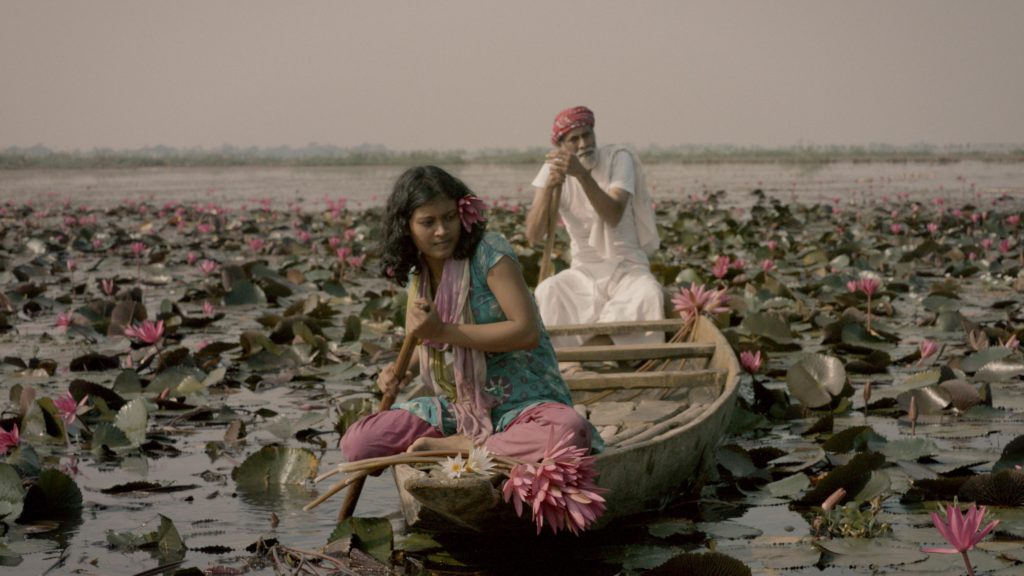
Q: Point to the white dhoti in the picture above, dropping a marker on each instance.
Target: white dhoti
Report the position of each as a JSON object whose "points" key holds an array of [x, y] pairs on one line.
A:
{"points": [[592, 293]]}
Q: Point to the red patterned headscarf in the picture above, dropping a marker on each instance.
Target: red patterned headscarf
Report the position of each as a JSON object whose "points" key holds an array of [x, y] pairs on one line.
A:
{"points": [[570, 119]]}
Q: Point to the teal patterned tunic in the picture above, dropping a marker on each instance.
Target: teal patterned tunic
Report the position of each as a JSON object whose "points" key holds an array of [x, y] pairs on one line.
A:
{"points": [[520, 378]]}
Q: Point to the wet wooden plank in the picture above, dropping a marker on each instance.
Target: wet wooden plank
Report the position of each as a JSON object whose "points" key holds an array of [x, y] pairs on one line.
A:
{"points": [[634, 352]]}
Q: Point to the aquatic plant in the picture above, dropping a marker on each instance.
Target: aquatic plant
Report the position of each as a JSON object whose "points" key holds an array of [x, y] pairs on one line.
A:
{"points": [[147, 331], [560, 489], [961, 531], [68, 409], [9, 439], [850, 520]]}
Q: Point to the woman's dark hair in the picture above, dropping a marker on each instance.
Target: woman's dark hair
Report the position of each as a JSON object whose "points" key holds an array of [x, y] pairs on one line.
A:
{"points": [[414, 188]]}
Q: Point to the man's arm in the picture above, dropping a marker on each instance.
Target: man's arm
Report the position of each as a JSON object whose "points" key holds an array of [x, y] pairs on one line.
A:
{"points": [[609, 205], [540, 209]]}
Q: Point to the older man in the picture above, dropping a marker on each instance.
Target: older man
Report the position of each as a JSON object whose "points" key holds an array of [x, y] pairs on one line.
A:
{"points": [[610, 220]]}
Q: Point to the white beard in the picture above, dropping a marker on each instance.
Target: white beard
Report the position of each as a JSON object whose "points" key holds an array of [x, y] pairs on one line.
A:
{"points": [[589, 161]]}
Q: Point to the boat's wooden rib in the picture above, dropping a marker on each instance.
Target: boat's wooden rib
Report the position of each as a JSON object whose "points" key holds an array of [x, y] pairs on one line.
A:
{"points": [[661, 428], [612, 328], [618, 352], [633, 380]]}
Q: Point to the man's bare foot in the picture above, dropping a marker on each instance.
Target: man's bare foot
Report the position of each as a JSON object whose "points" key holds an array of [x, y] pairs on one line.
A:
{"points": [[456, 443]]}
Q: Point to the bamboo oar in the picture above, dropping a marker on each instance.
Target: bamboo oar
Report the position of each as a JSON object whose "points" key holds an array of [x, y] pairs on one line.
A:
{"points": [[356, 487], [547, 266]]}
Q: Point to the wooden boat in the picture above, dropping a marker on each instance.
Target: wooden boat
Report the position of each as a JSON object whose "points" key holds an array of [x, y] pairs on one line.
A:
{"points": [[661, 428]]}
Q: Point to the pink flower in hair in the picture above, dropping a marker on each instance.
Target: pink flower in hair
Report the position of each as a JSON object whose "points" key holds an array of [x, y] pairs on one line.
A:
{"points": [[471, 211]]}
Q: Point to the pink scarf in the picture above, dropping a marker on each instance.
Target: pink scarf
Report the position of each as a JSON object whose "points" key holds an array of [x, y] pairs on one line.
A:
{"points": [[470, 402]]}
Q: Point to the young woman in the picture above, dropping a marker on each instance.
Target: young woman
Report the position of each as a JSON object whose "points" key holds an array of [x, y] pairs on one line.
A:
{"points": [[483, 350]]}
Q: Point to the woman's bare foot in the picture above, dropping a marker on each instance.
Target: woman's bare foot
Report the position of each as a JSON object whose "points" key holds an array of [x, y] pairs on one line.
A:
{"points": [[456, 443]]}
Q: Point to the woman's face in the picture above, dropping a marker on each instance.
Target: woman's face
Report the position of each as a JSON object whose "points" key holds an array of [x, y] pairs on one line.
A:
{"points": [[435, 228]]}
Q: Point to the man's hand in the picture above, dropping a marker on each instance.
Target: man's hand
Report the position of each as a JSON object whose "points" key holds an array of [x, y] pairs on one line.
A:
{"points": [[565, 163], [422, 320]]}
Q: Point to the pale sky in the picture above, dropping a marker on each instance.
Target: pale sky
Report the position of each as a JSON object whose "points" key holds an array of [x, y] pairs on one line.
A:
{"points": [[469, 74]]}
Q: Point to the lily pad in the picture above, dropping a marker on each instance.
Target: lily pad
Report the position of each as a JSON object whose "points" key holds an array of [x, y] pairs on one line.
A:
{"points": [[909, 448], [769, 326], [869, 552], [976, 361], [12, 494], [789, 486], [245, 293], [132, 419], [275, 465], [55, 495], [815, 379], [371, 535]]}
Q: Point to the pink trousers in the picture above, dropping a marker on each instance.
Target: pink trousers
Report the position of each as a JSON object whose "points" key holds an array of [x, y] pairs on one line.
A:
{"points": [[392, 431]]}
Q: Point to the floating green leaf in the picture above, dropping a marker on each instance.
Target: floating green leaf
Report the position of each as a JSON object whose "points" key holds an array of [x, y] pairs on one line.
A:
{"points": [[371, 535], [815, 379], [275, 465], [132, 419], [12, 494]]}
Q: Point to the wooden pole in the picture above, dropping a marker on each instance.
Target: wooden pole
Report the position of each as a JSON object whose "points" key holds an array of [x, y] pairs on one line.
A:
{"points": [[547, 266], [401, 366]]}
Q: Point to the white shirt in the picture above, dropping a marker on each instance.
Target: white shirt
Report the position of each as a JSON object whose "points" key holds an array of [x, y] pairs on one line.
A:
{"points": [[580, 217]]}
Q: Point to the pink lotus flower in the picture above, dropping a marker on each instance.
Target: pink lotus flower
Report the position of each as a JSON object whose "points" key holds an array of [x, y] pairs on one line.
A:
{"points": [[767, 264], [108, 286], [208, 308], [191, 257], [471, 211], [695, 300], [721, 267], [204, 227], [256, 244], [303, 236], [927, 349], [986, 243], [851, 285], [1004, 245], [1012, 343], [72, 265], [751, 361], [343, 253], [868, 285], [138, 248], [961, 531], [350, 234], [560, 489], [146, 331], [64, 319], [771, 245], [9, 440], [334, 242], [208, 266], [895, 228], [933, 227], [96, 243], [356, 261], [69, 409], [1013, 219]]}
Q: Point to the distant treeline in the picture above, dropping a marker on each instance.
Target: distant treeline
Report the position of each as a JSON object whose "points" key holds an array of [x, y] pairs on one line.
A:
{"points": [[321, 155]]}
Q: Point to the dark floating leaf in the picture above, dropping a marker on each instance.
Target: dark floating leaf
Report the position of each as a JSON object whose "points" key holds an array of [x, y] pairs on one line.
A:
{"points": [[858, 438], [1003, 488], [12, 494], [852, 477], [94, 362], [962, 395], [931, 489], [705, 564], [54, 496], [151, 487], [1012, 456], [80, 388]]}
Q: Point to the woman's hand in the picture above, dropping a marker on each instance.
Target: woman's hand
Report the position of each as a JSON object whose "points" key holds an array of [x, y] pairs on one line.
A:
{"points": [[422, 321], [389, 383]]}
